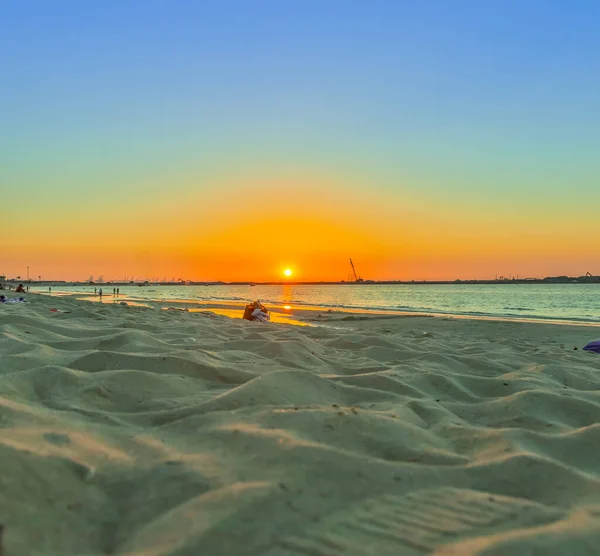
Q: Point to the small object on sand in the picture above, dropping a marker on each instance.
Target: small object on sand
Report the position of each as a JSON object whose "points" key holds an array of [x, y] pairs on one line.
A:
{"points": [[124, 304], [256, 312], [4, 299], [593, 346]]}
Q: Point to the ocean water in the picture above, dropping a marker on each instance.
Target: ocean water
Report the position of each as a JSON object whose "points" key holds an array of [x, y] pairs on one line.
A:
{"points": [[569, 302]]}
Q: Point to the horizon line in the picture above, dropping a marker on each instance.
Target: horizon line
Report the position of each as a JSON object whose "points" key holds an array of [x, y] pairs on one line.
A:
{"points": [[587, 278]]}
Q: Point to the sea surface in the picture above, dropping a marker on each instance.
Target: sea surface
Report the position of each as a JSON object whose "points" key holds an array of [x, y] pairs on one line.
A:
{"points": [[565, 302]]}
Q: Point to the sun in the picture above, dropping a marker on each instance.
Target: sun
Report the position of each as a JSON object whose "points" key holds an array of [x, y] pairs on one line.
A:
{"points": [[288, 272]]}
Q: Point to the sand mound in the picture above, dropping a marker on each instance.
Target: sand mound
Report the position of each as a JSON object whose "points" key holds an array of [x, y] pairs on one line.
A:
{"points": [[134, 431]]}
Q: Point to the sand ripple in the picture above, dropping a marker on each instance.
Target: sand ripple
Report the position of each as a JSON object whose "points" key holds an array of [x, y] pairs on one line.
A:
{"points": [[133, 431]]}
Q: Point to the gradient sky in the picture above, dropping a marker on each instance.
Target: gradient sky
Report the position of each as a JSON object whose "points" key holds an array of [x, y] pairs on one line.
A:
{"points": [[231, 139]]}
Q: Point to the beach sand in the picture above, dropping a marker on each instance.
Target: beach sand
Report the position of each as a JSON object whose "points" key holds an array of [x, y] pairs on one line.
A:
{"points": [[136, 431]]}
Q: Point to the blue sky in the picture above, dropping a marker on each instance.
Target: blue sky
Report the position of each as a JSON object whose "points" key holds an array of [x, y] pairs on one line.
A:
{"points": [[487, 83]]}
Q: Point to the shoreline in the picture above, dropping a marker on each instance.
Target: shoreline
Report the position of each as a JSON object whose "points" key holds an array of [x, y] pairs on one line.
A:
{"points": [[301, 314]]}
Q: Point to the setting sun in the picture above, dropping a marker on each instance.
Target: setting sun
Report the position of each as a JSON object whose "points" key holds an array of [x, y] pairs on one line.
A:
{"points": [[288, 272]]}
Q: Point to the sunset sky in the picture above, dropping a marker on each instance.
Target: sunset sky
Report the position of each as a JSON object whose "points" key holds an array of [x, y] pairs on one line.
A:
{"points": [[230, 140]]}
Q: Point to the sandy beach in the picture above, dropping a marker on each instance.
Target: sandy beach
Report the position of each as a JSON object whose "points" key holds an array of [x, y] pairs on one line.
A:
{"points": [[143, 432]]}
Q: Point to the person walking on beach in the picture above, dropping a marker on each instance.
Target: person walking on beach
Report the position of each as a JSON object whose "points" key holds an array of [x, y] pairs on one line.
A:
{"points": [[95, 291], [100, 292], [49, 289], [117, 291]]}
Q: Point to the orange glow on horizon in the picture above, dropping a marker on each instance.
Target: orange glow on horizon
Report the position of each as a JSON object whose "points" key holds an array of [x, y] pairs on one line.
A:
{"points": [[220, 232]]}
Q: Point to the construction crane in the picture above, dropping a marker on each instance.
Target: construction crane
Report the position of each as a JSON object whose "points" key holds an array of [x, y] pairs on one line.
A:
{"points": [[355, 276]]}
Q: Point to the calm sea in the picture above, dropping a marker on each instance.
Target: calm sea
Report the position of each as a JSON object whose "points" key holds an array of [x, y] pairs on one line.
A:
{"points": [[573, 302]]}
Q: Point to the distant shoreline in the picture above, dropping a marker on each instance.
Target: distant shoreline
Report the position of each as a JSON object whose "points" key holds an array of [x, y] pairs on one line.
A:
{"points": [[514, 281]]}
